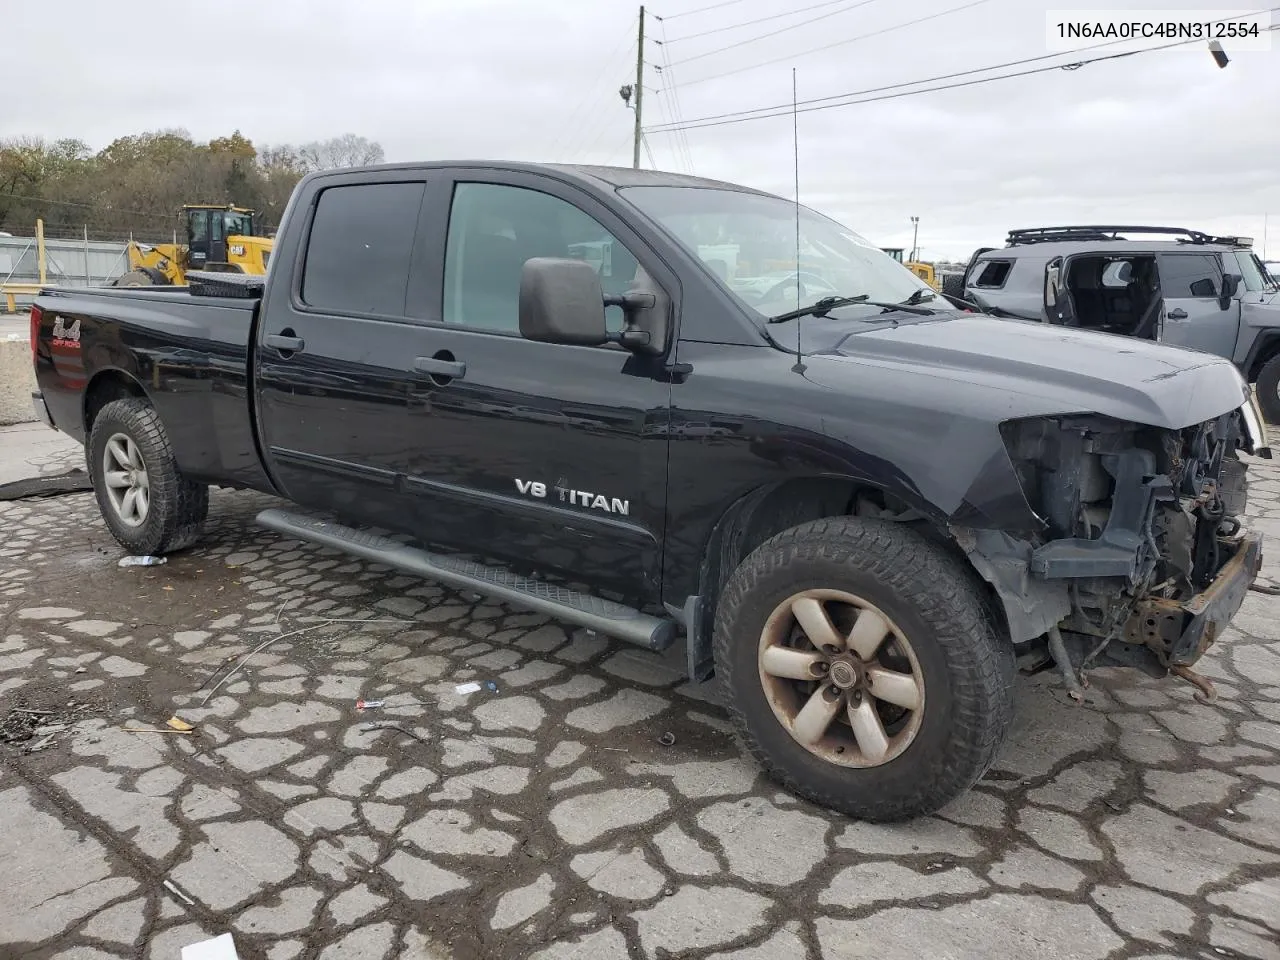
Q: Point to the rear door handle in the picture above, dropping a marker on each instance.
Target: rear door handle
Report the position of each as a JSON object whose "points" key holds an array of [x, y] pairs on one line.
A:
{"points": [[283, 343], [1177, 313], [440, 367]]}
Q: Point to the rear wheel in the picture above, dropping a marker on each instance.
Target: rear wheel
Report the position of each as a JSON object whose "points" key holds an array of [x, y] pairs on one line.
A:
{"points": [[134, 278], [1268, 387], [860, 668], [149, 507]]}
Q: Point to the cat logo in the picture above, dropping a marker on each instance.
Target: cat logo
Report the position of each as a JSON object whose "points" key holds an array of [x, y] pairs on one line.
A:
{"points": [[64, 336], [236, 249]]}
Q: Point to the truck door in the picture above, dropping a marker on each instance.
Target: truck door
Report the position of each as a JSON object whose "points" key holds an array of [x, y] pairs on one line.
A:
{"points": [[552, 457], [1058, 305], [334, 357], [217, 237], [1259, 305], [1190, 285]]}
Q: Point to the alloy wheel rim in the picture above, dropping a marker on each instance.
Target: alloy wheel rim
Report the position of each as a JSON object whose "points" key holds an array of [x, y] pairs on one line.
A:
{"points": [[841, 678], [124, 474]]}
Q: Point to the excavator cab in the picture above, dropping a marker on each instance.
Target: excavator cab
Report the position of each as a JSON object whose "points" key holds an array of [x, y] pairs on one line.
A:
{"points": [[209, 233]]}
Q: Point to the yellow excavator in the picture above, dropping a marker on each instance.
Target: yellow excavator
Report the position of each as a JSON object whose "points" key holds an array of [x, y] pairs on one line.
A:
{"points": [[924, 271], [219, 239]]}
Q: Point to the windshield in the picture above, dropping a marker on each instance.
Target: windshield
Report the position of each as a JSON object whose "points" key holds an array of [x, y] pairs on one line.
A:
{"points": [[749, 242], [238, 224], [1251, 274]]}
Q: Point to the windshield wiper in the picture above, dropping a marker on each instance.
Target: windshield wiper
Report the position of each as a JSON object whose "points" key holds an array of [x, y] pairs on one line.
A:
{"points": [[827, 304], [819, 309]]}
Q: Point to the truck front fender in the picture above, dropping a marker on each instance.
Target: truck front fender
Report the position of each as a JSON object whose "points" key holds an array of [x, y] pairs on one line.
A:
{"points": [[1265, 346]]}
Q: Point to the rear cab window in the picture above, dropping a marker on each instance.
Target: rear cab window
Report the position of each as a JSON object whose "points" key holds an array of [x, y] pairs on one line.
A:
{"points": [[360, 247], [991, 274]]}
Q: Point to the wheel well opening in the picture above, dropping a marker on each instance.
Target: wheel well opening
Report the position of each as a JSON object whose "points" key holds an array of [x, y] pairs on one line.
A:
{"points": [[766, 513], [1269, 350], [104, 388]]}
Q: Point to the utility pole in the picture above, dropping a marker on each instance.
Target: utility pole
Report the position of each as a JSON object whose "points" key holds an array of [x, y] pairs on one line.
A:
{"points": [[635, 149], [915, 236]]}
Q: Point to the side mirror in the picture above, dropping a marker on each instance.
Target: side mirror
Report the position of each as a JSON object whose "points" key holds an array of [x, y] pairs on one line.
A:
{"points": [[561, 302], [1230, 287]]}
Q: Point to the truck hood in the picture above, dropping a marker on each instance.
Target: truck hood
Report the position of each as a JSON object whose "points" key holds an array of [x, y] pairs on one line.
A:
{"points": [[1000, 369]]}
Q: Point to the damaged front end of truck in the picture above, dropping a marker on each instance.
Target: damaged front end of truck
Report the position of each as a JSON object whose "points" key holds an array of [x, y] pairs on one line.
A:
{"points": [[1140, 557]]}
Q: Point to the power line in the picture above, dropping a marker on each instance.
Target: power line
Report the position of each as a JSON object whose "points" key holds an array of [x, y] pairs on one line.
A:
{"points": [[689, 13], [839, 43], [774, 33], [597, 120], [597, 114], [786, 107], [669, 107], [590, 94], [785, 110], [89, 206], [662, 128], [673, 94], [653, 164], [750, 23]]}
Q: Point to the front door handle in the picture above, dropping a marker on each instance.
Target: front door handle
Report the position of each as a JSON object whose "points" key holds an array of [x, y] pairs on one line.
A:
{"points": [[438, 366], [284, 342], [1177, 313]]}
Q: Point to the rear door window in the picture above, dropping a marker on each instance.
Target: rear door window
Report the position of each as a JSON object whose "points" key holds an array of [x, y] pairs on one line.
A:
{"points": [[360, 248]]}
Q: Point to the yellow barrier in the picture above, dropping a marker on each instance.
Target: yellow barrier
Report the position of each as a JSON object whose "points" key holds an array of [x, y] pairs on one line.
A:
{"points": [[12, 290]]}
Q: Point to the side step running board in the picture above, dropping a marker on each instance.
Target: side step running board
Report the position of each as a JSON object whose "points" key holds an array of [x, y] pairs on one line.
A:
{"points": [[603, 616]]}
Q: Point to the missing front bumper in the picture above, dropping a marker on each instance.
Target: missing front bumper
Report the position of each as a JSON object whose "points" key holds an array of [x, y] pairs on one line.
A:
{"points": [[1180, 632]]}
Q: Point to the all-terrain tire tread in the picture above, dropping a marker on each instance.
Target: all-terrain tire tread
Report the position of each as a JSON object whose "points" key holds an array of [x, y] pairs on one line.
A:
{"points": [[946, 596], [180, 504]]}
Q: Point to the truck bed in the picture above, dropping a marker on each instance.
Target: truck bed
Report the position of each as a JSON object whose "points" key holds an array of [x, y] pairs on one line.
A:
{"points": [[190, 353]]}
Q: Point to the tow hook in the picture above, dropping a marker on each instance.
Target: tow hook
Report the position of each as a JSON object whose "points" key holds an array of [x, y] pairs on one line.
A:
{"points": [[1206, 692]]}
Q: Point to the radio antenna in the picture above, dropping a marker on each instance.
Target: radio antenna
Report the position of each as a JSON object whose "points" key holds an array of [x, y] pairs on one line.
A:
{"points": [[795, 149]]}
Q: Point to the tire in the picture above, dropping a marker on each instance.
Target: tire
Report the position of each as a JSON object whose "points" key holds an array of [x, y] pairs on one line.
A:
{"points": [[937, 751], [134, 278], [175, 508], [1268, 389]]}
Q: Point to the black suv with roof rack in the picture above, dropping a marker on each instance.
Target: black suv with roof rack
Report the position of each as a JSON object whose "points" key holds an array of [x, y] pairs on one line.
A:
{"points": [[1181, 287]]}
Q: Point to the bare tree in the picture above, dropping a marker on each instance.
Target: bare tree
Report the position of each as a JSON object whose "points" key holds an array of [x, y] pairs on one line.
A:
{"points": [[348, 150]]}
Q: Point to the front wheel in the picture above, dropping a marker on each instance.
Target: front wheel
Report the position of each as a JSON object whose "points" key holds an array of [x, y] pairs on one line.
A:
{"points": [[149, 507], [861, 670], [1268, 389]]}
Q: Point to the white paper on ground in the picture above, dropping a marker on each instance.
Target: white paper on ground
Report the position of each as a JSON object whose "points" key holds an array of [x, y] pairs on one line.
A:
{"points": [[460, 688], [219, 948]]}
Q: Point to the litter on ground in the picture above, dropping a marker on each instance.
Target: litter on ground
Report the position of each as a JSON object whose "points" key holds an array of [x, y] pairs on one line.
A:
{"points": [[144, 561]]}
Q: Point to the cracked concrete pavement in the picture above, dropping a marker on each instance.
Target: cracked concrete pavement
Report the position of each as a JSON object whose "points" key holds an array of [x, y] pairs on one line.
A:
{"points": [[544, 818]]}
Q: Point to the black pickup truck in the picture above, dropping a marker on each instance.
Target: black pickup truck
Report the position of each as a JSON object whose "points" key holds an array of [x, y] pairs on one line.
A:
{"points": [[650, 408]]}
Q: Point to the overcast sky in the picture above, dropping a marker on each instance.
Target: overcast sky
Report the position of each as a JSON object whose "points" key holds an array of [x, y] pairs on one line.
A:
{"points": [[1162, 137]]}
